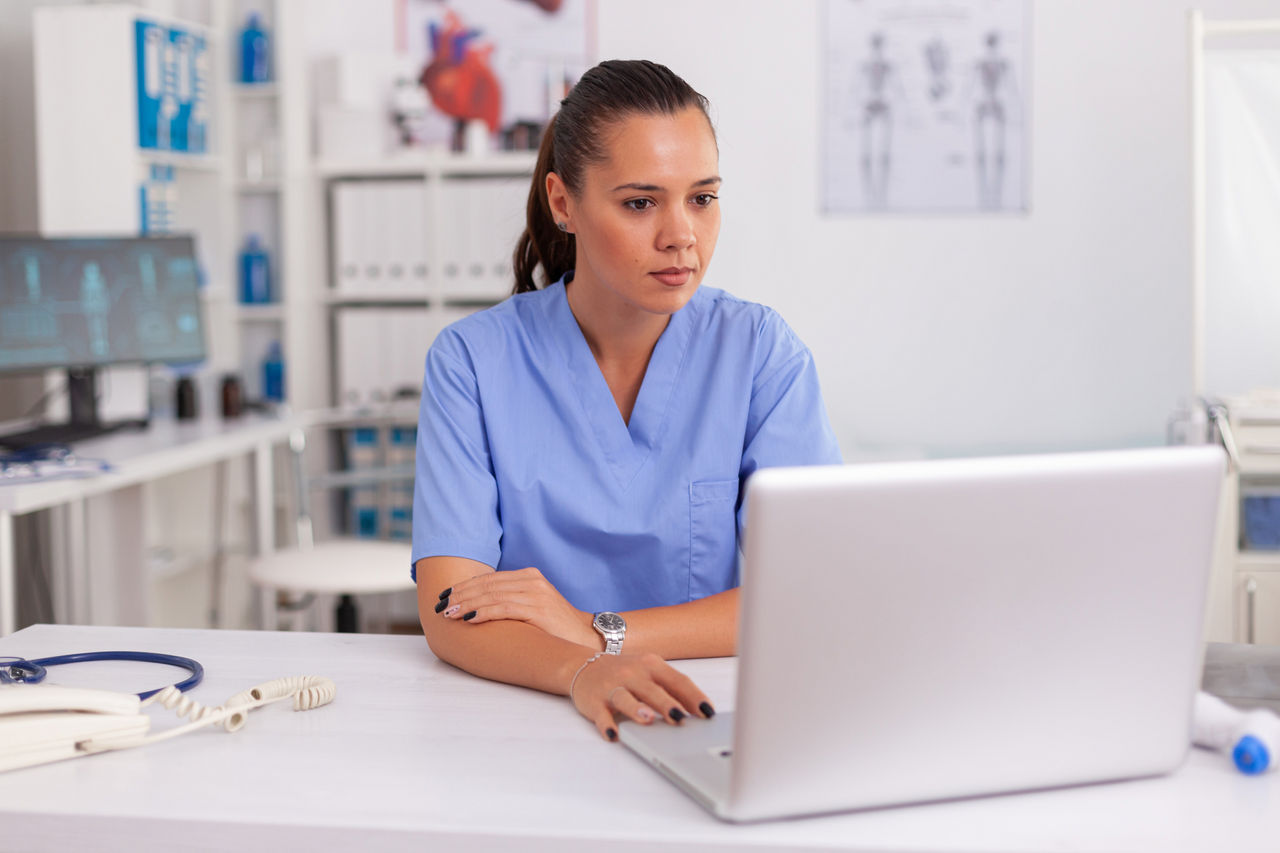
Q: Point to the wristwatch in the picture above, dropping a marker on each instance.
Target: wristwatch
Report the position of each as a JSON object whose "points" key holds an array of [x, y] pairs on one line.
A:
{"points": [[613, 628]]}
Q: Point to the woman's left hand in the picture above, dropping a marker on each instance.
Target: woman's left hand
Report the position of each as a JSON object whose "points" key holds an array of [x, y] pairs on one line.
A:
{"points": [[523, 595]]}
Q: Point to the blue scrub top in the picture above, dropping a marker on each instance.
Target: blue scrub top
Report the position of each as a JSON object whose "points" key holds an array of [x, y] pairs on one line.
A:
{"points": [[523, 458]]}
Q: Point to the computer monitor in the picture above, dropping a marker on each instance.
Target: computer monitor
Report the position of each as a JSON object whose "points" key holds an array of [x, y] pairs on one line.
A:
{"points": [[81, 303]]}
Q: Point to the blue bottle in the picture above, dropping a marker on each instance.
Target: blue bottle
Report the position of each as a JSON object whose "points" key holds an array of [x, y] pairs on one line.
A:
{"points": [[255, 273], [255, 52], [273, 374]]}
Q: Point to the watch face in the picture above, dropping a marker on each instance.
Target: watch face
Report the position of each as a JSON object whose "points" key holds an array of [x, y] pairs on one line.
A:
{"points": [[610, 622]]}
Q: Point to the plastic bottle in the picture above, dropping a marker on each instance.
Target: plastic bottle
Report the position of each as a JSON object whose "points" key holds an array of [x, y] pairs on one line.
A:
{"points": [[255, 272], [1252, 737], [273, 373], [255, 52]]}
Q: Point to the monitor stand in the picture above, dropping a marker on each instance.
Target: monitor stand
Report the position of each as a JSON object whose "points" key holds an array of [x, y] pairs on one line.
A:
{"points": [[84, 423]]}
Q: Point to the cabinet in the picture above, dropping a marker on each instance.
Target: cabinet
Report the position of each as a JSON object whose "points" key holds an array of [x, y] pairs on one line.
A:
{"points": [[416, 242], [1255, 431]]}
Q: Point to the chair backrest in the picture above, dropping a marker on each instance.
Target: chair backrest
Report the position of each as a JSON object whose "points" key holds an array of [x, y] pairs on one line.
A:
{"points": [[297, 447]]}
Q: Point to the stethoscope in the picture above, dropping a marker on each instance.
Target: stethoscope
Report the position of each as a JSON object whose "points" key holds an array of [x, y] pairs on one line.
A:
{"points": [[15, 670]]}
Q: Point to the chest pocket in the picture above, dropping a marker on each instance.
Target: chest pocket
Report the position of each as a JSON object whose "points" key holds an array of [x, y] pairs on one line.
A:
{"points": [[713, 537]]}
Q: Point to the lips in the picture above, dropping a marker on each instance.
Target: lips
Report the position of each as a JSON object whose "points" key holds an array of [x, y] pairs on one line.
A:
{"points": [[673, 276]]}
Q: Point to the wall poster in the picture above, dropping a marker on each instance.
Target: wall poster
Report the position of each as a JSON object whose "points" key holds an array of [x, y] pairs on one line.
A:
{"points": [[506, 63], [925, 106]]}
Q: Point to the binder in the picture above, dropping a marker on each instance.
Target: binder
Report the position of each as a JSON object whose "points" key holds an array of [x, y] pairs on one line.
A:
{"points": [[346, 264], [455, 208], [398, 499], [358, 345], [181, 74], [198, 123], [149, 53], [364, 452]]}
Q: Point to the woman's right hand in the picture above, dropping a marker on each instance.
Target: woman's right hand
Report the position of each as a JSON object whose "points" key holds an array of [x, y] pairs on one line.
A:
{"points": [[639, 687]]}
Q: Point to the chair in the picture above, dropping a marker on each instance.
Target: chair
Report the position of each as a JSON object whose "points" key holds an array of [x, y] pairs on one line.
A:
{"points": [[291, 578]]}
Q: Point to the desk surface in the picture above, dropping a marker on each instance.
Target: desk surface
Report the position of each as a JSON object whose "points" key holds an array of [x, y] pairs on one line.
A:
{"points": [[165, 447], [414, 751]]}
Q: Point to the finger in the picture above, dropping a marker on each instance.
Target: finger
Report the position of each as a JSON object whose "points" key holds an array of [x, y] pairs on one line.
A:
{"points": [[682, 688], [656, 698], [626, 704], [479, 614], [605, 725], [462, 599]]}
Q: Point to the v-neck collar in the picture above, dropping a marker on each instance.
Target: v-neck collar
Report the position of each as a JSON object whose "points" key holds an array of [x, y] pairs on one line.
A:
{"points": [[625, 446]]}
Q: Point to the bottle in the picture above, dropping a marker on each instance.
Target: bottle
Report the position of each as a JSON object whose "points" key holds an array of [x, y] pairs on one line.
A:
{"points": [[232, 397], [255, 52], [1252, 737], [255, 273], [186, 403], [273, 373]]}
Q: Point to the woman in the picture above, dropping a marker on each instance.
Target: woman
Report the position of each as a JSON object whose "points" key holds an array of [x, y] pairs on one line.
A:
{"points": [[582, 447]]}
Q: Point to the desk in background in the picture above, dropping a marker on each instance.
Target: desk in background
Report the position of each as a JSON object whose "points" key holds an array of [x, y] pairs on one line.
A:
{"points": [[416, 755], [166, 447]]}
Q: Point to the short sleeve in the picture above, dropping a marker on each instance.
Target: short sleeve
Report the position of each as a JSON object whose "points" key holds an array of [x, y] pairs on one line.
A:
{"points": [[455, 495], [787, 422]]}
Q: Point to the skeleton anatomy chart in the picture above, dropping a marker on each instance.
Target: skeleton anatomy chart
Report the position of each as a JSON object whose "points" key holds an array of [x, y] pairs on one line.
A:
{"points": [[925, 106]]}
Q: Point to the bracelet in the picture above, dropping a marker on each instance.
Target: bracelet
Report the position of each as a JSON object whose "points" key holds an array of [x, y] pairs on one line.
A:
{"points": [[585, 664]]}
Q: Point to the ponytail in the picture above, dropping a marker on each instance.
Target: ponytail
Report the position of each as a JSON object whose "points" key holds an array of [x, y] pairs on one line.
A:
{"points": [[542, 243]]}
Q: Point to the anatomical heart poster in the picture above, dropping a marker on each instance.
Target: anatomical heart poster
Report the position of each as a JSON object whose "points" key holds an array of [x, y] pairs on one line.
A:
{"points": [[503, 63], [925, 106]]}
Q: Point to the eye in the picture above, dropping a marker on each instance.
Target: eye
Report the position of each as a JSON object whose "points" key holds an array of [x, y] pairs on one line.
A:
{"points": [[705, 199], [638, 203]]}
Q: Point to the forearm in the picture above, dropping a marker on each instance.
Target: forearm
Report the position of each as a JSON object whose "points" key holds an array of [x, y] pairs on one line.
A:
{"points": [[706, 628], [508, 651]]}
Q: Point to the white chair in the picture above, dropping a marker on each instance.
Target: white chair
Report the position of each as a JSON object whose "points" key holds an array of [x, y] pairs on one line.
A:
{"points": [[290, 578]]}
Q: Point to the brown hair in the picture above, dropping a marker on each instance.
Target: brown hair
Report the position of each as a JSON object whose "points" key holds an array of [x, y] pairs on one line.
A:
{"points": [[607, 94]]}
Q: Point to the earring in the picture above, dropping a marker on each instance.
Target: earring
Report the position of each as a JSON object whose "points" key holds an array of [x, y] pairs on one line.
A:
{"points": [[562, 227]]}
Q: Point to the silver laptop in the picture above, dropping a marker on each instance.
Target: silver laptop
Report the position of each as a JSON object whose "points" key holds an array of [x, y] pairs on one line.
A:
{"points": [[920, 631]]}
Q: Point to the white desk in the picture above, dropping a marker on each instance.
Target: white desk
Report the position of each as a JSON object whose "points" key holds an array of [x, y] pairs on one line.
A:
{"points": [[167, 447], [414, 755]]}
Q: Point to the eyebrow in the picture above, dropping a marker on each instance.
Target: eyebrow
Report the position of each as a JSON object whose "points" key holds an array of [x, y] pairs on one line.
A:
{"points": [[654, 188]]}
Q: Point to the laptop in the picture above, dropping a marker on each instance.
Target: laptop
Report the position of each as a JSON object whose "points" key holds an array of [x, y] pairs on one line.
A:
{"points": [[930, 630]]}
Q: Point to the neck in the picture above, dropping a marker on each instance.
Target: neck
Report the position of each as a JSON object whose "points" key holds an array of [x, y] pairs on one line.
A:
{"points": [[618, 332]]}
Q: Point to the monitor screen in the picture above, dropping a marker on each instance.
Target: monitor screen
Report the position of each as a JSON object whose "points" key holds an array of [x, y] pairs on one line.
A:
{"points": [[86, 302]]}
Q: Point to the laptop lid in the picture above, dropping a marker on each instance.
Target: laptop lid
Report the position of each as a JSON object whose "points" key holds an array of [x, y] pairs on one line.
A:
{"points": [[928, 630]]}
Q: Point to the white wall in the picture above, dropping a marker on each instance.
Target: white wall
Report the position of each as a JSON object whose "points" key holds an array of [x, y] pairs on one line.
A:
{"points": [[1066, 328]]}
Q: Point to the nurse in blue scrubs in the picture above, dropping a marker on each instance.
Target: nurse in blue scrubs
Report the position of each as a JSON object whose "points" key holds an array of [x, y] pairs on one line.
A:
{"points": [[582, 447]]}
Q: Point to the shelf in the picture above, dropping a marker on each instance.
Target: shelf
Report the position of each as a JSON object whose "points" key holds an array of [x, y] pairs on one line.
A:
{"points": [[423, 164], [198, 162], [362, 476], [376, 297], [1258, 561], [255, 91], [264, 187], [267, 313]]}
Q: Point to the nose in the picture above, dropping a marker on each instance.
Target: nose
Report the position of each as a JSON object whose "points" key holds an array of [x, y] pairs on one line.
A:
{"points": [[677, 230]]}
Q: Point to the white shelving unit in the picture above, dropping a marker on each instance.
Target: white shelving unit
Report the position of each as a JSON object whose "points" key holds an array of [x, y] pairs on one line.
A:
{"points": [[1255, 578], [462, 263]]}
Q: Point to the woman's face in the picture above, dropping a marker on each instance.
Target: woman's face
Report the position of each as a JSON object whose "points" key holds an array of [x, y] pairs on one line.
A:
{"points": [[648, 217]]}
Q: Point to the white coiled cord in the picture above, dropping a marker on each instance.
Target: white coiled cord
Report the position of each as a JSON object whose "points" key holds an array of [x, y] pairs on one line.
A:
{"points": [[307, 692]]}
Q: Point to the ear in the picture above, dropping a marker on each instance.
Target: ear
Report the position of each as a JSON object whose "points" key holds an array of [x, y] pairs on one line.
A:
{"points": [[559, 200]]}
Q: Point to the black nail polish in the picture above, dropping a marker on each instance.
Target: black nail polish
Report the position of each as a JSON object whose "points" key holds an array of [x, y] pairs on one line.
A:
{"points": [[444, 602], [707, 710], [468, 616], [611, 734], [676, 714], [446, 593]]}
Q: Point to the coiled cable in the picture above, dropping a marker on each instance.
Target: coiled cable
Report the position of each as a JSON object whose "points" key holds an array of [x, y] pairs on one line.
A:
{"points": [[307, 692]]}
